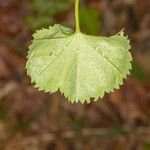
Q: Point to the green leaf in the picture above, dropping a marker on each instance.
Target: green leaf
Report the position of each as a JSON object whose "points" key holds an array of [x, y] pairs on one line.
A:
{"points": [[43, 12], [39, 21], [90, 20], [138, 71], [146, 146], [80, 66]]}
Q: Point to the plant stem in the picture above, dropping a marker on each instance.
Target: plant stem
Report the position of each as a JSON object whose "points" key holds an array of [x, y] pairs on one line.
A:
{"points": [[77, 15]]}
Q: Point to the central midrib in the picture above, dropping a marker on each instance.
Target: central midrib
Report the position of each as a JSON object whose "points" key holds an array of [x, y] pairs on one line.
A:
{"points": [[77, 59]]}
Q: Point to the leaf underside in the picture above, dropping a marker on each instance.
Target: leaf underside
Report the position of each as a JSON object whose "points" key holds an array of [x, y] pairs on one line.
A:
{"points": [[80, 66]]}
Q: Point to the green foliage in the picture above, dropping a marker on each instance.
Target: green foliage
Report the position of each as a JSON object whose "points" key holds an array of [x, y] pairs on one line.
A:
{"points": [[90, 20], [146, 146], [138, 71], [45, 10], [80, 66]]}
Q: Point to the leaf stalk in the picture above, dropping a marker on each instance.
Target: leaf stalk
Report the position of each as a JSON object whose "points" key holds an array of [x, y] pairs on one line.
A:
{"points": [[77, 15]]}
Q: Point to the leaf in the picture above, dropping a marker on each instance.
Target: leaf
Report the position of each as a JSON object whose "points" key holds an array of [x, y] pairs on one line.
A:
{"points": [[43, 12], [80, 66], [138, 72], [90, 20], [146, 146]]}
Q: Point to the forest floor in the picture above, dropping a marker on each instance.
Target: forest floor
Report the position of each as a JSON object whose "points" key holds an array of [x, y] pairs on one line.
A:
{"points": [[32, 120]]}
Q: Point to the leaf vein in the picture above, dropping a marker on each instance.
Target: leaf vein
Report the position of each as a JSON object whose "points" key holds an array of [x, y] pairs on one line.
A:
{"points": [[103, 55], [54, 59]]}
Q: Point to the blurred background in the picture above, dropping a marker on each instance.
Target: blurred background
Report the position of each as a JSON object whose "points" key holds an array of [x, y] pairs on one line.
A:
{"points": [[32, 120]]}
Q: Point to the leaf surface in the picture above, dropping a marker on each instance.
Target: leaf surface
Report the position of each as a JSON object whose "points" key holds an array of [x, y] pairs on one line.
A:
{"points": [[80, 66]]}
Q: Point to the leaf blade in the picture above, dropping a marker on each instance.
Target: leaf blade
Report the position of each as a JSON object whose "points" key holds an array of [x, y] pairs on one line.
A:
{"points": [[80, 66]]}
